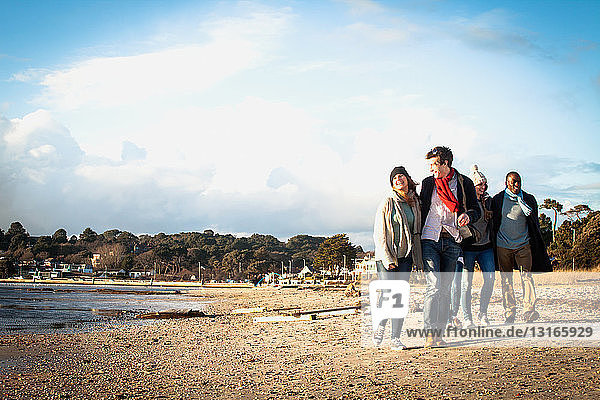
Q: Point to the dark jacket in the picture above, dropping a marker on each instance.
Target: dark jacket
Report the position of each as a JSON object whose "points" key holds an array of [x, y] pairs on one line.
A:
{"points": [[486, 204], [472, 207], [540, 260]]}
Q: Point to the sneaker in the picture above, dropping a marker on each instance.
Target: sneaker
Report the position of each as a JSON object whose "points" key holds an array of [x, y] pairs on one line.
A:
{"points": [[468, 324], [531, 316], [378, 335], [455, 322], [483, 320], [440, 342], [510, 319], [397, 344]]}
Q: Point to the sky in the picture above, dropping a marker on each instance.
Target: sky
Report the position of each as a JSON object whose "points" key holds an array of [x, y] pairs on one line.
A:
{"points": [[285, 117]]}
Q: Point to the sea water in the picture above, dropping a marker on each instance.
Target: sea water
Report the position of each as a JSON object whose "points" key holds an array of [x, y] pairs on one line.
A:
{"points": [[31, 308]]}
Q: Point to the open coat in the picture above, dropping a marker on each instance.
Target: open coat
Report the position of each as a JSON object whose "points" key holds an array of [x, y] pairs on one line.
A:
{"points": [[540, 260], [472, 209], [388, 248]]}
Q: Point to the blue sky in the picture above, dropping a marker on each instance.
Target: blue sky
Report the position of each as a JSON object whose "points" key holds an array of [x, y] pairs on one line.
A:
{"points": [[285, 117]]}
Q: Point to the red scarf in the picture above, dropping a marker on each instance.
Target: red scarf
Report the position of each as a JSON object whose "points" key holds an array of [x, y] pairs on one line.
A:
{"points": [[446, 195]]}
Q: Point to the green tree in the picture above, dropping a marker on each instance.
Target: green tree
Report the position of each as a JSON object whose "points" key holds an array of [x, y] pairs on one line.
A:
{"points": [[88, 235], [111, 256], [235, 263], [332, 252], [546, 228], [16, 228], [127, 263], [111, 235], [586, 250], [576, 238], [578, 212], [197, 255], [43, 245], [303, 247], [18, 242], [60, 236], [550, 204], [127, 239]]}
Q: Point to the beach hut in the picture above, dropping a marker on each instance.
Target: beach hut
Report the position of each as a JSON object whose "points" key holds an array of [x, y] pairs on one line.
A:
{"points": [[306, 271]]}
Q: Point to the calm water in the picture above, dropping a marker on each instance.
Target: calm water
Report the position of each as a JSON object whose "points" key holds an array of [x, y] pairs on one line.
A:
{"points": [[27, 308]]}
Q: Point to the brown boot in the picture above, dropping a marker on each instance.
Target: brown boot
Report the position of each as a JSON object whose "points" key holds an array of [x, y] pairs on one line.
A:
{"points": [[430, 340]]}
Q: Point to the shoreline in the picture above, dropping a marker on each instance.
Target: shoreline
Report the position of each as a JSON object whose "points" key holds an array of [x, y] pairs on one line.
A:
{"points": [[558, 278], [109, 282]]}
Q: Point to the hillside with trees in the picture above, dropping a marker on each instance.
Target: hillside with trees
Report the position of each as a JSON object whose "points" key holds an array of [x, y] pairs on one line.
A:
{"points": [[175, 255], [573, 244]]}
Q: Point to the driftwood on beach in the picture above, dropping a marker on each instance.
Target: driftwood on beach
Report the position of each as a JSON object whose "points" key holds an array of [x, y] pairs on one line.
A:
{"points": [[261, 309], [171, 314], [329, 311], [296, 314]]}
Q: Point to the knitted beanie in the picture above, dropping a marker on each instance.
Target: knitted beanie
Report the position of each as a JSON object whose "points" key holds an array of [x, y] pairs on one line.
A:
{"points": [[476, 176], [396, 171]]}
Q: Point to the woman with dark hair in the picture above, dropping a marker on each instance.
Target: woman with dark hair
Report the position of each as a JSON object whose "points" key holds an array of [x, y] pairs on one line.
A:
{"points": [[397, 236]]}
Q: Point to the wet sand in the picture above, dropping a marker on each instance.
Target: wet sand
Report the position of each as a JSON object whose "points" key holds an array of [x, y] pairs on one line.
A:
{"points": [[230, 356]]}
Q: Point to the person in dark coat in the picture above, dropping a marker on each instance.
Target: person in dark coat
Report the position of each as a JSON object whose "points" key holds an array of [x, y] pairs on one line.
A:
{"points": [[519, 245], [448, 203]]}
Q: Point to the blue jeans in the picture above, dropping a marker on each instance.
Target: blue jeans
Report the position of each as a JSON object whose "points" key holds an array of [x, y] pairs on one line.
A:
{"points": [[455, 289], [439, 260], [401, 272], [485, 259]]}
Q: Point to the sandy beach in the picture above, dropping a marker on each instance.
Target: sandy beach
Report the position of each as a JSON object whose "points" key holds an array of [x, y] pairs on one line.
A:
{"points": [[232, 357]]}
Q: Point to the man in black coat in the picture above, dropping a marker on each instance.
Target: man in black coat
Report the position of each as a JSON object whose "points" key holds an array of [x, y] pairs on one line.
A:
{"points": [[519, 245], [448, 202]]}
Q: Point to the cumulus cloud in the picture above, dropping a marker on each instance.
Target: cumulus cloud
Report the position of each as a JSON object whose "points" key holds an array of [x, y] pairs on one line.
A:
{"points": [[114, 81], [256, 166], [235, 44], [131, 152], [39, 141]]}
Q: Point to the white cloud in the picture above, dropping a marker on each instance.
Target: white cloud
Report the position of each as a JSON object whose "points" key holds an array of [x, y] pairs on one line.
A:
{"points": [[115, 81], [259, 23], [359, 7], [43, 151], [39, 140], [131, 152], [378, 34], [29, 75], [235, 44], [315, 66]]}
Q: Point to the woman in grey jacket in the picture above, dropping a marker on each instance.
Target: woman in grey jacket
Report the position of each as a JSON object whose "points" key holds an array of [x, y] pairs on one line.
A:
{"points": [[397, 237]]}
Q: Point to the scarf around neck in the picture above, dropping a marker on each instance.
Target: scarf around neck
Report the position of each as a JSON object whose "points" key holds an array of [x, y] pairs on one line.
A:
{"points": [[519, 199], [408, 197], [443, 189]]}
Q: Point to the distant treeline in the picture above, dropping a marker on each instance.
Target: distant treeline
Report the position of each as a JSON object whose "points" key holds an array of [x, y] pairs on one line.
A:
{"points": [[217, 256], [576, 242]]}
